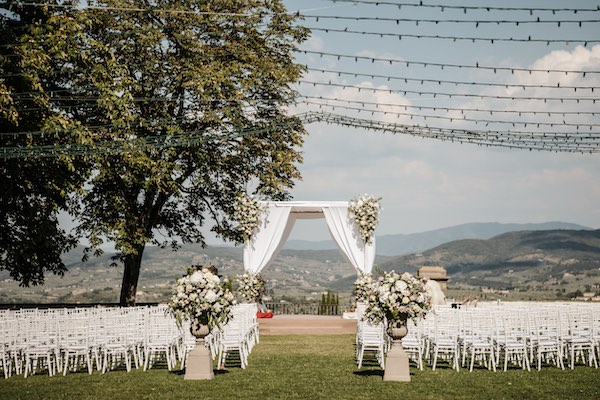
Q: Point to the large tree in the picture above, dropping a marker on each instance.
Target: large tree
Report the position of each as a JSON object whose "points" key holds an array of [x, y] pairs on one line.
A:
{"points": [[35, 187], [179, 105]]}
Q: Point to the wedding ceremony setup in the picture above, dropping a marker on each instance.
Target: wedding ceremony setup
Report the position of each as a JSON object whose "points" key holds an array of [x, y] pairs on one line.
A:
{"points": [[283, 199], [211, 322], [492, 336]]}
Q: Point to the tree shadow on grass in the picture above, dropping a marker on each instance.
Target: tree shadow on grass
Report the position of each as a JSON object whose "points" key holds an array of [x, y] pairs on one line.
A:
{"points": [[369, 372], [215, 371], [177, 371], [220, 371]]}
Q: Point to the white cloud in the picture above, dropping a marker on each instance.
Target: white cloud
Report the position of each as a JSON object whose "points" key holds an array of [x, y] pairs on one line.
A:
{"points": [[428, 184]]}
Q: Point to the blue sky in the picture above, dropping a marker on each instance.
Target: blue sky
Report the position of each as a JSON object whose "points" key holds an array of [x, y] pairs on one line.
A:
{"points": [[428, 184]]}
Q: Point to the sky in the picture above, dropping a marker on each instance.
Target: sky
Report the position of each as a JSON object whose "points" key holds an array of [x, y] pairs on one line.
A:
{"points": [[427, 184]]}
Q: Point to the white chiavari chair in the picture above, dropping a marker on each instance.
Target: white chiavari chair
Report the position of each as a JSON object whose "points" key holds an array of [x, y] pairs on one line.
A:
{"points": [[443, 341], [579, 340], [413, 343], [74, 343], [510, 340], [547, 343], [161, 339], [371, 338], [478, 343]]}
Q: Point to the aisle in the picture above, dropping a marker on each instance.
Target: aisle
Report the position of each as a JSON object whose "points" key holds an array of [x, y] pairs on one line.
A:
{"points": [[306, 325]]}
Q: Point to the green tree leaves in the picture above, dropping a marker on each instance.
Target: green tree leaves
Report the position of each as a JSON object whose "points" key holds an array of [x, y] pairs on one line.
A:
{"points": [[175, 106]]}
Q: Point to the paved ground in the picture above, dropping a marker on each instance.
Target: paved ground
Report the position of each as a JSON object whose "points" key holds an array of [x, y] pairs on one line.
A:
{"points": [[306, 325]]}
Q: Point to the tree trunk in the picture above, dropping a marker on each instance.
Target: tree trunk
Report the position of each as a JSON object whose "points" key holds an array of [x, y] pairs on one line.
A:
{"points": [[131, 274]]}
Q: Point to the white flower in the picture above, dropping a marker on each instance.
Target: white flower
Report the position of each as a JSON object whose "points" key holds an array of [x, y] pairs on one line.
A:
{"points": [[365, 210], [196, 277], [201, 295], [251, 287], [210, 296], [247, 214], [393, 295]]}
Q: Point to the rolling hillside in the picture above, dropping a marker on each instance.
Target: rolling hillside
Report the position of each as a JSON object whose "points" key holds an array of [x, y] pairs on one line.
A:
{"points": [[528, 260], [401, 244], [551, 263]]}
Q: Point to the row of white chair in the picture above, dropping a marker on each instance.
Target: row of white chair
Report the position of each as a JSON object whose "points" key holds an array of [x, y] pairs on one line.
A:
{"points": [[539, 333], [63, 340], [496, 336], [238, 335], [67, 339]]}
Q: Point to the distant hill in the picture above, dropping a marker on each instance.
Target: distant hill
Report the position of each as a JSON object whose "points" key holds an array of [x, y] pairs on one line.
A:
{"points": [[522, 259], [552, 263], [401, 244]]}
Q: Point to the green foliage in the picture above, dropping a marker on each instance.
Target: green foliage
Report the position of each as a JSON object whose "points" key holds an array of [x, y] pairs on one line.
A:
{"points": [[34, 189], [175, 112], [329, 304]]}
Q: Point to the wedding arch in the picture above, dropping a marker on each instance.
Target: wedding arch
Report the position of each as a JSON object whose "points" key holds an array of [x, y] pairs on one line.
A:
{"points": [[278, 219]]}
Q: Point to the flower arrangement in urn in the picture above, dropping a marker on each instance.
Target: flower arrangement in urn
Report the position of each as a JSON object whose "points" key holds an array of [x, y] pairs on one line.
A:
{"points": [[365, 210], [247, 212], [251, 287], [202, 296], [364, 287], [397, 296]]}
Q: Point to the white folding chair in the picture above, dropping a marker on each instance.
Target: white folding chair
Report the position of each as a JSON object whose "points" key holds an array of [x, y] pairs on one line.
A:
{"points": [[579, 340], [74, 344], [444, 340], [510, 340], [370, 338]]}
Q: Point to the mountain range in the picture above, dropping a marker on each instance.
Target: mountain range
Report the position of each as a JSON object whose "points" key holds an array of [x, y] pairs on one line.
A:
{"points": [[530, 261], [402, 244]]}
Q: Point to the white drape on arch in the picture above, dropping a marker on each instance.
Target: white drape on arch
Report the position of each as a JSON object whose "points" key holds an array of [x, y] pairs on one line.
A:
{"points": [[274, 230], [268, 239]]}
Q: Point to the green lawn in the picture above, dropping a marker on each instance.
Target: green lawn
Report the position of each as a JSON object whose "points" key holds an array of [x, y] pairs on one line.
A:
{"points": [[310, 367]]}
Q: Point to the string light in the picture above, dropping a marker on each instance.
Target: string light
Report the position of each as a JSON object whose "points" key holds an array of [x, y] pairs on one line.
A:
{"points": [[140, 9], [471, 39], [449, 82], [466, 8], [392, 61], [462, 118], [547, 141], [462, 109], [555, 142], [448, 95], [114, 146], [476, 23]]}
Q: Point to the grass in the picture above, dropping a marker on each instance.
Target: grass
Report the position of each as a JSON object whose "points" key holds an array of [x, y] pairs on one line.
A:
{"points": [[309, 367]]}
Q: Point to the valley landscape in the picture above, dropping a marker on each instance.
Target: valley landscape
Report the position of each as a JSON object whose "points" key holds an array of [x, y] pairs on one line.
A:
{"points": [[488, 261]]}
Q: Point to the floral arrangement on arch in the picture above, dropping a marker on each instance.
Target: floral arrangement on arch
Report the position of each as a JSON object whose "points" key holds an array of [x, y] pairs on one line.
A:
{"points": [[201, 295], [247, 212], [251, 287], [395, 296], [365, 210]]}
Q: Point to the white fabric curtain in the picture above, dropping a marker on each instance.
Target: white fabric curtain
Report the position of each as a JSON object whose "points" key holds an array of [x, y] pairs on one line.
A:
{"points": [[345, 233], [274, 230], [272, 233]]}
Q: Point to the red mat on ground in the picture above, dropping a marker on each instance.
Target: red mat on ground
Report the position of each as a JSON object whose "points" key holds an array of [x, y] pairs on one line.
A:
{"points": [[264, 315]]}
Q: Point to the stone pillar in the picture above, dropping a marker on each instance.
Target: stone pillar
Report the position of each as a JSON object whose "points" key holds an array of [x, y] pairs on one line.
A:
{"points": [[199, 363], [435, 273], [396, 364]]}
